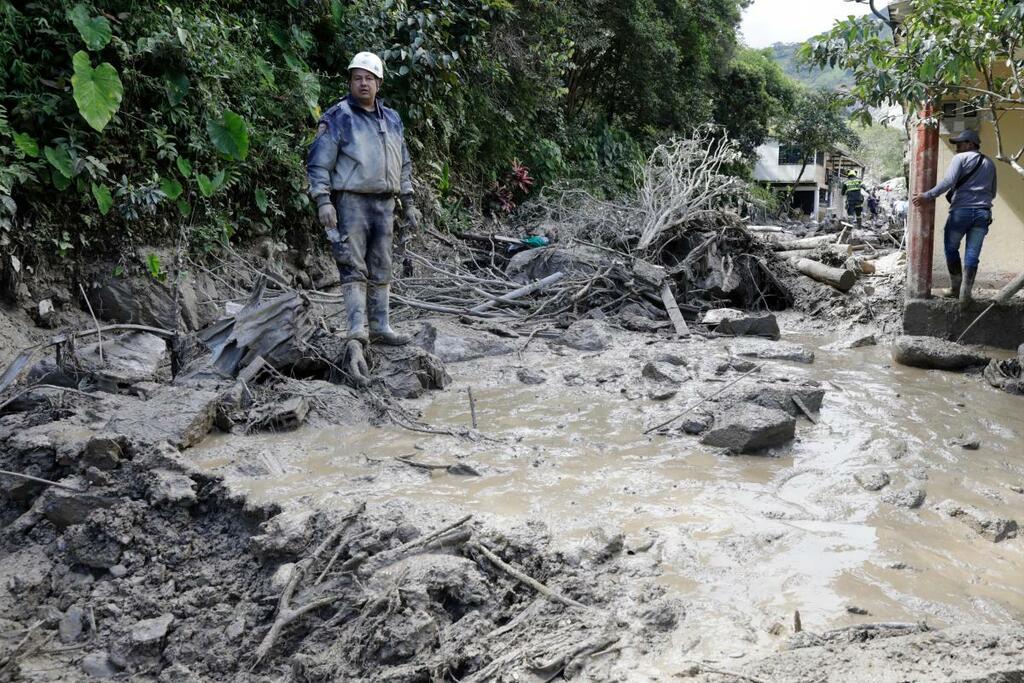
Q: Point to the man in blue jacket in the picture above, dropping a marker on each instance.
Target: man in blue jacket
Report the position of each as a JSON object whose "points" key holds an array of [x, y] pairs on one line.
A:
{"points": [[358, 164], [970, 187]]}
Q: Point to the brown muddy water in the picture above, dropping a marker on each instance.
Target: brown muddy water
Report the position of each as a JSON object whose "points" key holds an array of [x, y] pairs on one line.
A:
{"points": [[743, 541]]}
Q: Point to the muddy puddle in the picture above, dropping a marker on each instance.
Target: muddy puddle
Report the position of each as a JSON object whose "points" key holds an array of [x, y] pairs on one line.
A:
{"points": [[743, 541]]}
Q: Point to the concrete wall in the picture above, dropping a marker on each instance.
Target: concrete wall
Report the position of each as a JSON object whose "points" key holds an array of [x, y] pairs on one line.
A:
{"points": [[1002, 257]]}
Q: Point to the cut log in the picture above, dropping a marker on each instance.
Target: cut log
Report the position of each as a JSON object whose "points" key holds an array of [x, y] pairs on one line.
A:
{"points": [[804, 243], [673, 311], [840, 278], [796, 254], [521, 292]]}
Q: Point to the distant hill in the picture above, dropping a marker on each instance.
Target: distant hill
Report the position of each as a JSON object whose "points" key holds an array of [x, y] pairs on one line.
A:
{"points": [[829, 79]]}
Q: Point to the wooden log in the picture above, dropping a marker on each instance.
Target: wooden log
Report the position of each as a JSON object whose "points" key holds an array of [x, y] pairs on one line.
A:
{"points": [[840, 278], [795, 253], [673, 311], [805, 243], [1010, 289], [521, 292]]}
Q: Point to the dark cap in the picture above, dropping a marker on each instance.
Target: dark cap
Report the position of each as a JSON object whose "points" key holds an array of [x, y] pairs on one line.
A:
{"points": [[967, 136]]}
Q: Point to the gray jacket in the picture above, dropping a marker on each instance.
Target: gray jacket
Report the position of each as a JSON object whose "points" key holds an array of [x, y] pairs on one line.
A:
{"points": [[359, 151], [979, 190]]}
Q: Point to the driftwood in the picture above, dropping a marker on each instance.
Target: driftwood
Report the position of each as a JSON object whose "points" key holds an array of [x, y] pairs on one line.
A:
{"points": [[524, 578], [29, 477], [673, 311], [804, 243], [521, 292], [840, 278]]}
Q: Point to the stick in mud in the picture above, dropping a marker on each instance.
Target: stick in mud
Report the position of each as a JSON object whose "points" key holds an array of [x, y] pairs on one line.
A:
{"points": [[702, 401], [95, 321], [29, 477], [472, 406], [523, 578]]}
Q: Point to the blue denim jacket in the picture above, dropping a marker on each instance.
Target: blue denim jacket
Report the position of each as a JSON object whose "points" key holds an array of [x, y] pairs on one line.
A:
{"points": [[359, 151]]}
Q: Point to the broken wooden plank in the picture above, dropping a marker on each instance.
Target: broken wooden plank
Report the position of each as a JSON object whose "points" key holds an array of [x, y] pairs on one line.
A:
{"points": [[673, 310]]}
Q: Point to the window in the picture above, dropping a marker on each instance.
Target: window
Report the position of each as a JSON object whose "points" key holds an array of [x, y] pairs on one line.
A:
{"points": [[789, 155]]}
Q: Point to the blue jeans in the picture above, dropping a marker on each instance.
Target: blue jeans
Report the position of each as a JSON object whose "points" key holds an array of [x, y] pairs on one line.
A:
{"points": [[972, 223]]}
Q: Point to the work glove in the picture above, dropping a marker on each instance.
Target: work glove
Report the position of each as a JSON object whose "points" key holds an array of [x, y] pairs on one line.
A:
{"points": [[328, 215], [411, 214]]}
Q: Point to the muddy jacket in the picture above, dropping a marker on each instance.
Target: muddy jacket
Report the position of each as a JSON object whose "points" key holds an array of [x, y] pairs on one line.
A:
{"points": [[359, 151]]}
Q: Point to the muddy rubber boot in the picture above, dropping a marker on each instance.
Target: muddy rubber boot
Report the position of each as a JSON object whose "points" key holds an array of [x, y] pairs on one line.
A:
{"points": [[379, 301], [967, 286], [355, 309], [956, 278]]}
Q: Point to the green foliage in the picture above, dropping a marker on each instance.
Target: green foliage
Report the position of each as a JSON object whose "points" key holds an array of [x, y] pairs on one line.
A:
{"points": [[788, 56], [756, 95], [154, 268], [882, 150], [135, 116], [98, 91], [818, 121]]}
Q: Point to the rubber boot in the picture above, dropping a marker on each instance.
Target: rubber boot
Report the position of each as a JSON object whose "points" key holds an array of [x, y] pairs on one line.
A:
{"points": [[379, 300], [967, 285], [956, 278], [355, 309]]}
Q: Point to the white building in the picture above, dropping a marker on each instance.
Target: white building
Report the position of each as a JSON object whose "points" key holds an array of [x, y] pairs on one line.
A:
{"points": [[778, 165]]}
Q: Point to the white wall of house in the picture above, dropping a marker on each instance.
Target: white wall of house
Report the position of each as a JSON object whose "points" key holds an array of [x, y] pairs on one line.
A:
{"points": [[769, 170]]}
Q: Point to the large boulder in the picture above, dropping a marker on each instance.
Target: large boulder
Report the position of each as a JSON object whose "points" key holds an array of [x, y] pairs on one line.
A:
{"points": [[749, 428], [932, 353], [536, 264], [731, 321], [780, 396], [178, 415], [138, 301], [126, 359], [465, 345]]}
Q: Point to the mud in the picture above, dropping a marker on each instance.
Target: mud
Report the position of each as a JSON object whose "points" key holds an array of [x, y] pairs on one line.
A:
{"points": [[743, 542]]}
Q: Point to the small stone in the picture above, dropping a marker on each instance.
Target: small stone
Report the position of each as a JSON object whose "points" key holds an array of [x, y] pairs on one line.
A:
{"points": [[281, 577], [118, 571], [235, 629], [97, 477], [911, 497], [102, 452], [855, 343], [587, 335], [98, 665], [1016, 489], [530, 376], [697, 424], [661, 372], [171, 488], [968, 442], [872, 480], [151, 630], [993, 528], [45, 314], [661, 393], [853, 609], [70, 627]]}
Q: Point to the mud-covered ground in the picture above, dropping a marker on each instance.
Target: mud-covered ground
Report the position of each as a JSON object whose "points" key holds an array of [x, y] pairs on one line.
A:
{"points": [[559, 539]]}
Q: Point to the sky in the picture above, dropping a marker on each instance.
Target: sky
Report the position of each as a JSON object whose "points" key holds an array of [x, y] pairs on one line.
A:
{"points": [[793, 21]]}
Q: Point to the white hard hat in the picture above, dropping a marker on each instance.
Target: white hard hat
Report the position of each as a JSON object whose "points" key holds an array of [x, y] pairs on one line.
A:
{"points": [[370, 62]]}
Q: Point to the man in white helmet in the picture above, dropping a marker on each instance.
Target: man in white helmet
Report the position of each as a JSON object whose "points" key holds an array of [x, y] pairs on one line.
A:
{"points": [[358, 164]]}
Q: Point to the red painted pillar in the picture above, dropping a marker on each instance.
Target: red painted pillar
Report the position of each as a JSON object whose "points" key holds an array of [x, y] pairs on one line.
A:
{"points": [[921, 235]]}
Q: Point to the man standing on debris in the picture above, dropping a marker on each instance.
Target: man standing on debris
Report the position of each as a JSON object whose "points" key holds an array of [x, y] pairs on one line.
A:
{"points": [[358, 164], [970, 187], [852, 188]]}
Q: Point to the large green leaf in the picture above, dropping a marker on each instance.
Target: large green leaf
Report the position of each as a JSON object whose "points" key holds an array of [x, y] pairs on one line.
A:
{"points": [[103, 199], [229, 135], [60, 160], [171, 187], [27, 144], [184, 166], [95, 31], [206, 187], [177, 86], [97, 91], [261, 200]]}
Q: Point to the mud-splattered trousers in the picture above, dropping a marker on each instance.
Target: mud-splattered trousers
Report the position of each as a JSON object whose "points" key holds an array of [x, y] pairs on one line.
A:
{"points": [[361, 245]]}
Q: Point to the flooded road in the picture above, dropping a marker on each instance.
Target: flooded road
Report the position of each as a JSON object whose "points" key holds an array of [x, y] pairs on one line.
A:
{"points": [[743, 541]]}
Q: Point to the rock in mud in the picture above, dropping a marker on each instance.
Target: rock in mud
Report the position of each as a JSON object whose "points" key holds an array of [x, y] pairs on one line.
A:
{"points": [[932, 353], [662, 372], [536, 264], [171, 488], [127, 359], [103, 452], [1007, 375], [752, 348], [285, 535], [748, 428], [910, 497], [153, 630], [45, 314], [531, 376], [988, 526], [872, 480], [587, 335], [178, 415], [65, 508], [857, 342], [409, 371], [140, 301], [661, 393], [636, 318], [697, 423], [778, 395], [71, 625], [737, 323], [455, 348], [98, 665], [968, 442]]}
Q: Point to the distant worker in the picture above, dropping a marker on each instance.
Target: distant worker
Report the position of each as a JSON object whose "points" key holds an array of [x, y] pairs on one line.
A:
{"points": [[873, 204], [358, 164], [853, 189], [970, 187]]}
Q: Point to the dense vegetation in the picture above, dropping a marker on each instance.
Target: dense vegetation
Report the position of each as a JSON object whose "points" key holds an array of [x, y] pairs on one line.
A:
{"points": [[121, 122], [826, 78]]}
